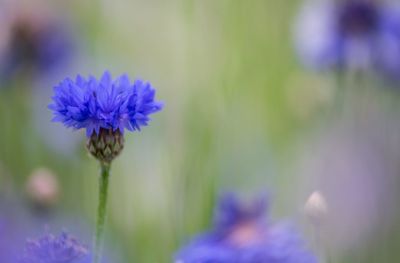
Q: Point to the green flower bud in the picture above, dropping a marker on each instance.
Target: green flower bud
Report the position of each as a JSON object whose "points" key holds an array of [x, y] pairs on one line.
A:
{"points": [[106, 145]]}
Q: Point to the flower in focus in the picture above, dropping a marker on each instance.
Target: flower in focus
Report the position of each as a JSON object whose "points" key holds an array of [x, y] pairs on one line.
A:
{"points": [[353, 34], [54, 249], [105, 108], [242, 234], [104, 104], [36, 43]]}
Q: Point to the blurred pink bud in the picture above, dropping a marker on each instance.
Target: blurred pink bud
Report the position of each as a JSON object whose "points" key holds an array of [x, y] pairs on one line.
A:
{"points": [[316, 208], [42, 187]]}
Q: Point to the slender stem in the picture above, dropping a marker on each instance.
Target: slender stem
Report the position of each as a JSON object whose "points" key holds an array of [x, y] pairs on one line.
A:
{"points": [[320, 245], [101, 211]]}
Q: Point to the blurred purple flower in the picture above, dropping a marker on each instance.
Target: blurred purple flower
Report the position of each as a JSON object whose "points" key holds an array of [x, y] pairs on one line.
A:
{"points": [[107, 104], [241, 234], [353, 34], [54, 249], [36, 45]]}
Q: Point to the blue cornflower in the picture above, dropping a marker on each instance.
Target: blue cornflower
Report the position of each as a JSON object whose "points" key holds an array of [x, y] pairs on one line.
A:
{"points": [[105, 108], [54, 249], [241, 234], [352, 34], [104, 104]]}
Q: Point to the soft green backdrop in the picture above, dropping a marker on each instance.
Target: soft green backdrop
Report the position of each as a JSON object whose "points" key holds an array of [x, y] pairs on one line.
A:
{"points": [[237, 103]]}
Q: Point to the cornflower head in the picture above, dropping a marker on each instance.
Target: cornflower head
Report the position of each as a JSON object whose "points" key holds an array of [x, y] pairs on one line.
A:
{"points": [[242, 234], [54, 249], [105, 108], [350, 34]]}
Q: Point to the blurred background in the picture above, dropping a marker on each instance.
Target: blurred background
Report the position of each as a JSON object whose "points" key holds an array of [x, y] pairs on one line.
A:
{"points": [[242, 113]]}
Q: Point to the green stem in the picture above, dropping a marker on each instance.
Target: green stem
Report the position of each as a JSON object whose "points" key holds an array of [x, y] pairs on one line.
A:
{"points": [[101, 211]]}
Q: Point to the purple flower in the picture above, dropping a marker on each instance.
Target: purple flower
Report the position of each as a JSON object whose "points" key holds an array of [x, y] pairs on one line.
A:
{"points": [[40, 47], [241, 234], [54, 249], [353, 34], [104, 104]]}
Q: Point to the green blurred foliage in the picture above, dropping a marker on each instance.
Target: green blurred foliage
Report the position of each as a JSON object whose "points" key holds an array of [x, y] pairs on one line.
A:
{"points": [[236, 102]]}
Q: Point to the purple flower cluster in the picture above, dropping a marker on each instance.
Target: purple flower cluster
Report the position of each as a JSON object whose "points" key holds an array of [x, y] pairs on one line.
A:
{"points": [[54, 249], [112, 105], [241, 234], [352, 34]]}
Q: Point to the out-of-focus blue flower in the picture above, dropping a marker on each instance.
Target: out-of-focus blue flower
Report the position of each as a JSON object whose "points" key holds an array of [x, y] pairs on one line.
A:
{"points": [[242, 234], [54, 249], [112, 105], [37, 47], [352, 34]]}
